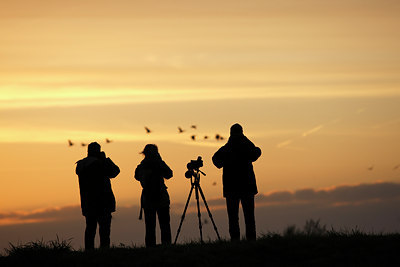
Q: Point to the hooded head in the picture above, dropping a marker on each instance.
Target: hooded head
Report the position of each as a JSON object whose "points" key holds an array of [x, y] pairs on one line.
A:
{"points": [[93, 149], [151, 151], [236, 130]]}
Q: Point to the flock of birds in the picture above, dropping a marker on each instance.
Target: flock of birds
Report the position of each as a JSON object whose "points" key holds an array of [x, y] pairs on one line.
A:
{"points": [[218, 137]]}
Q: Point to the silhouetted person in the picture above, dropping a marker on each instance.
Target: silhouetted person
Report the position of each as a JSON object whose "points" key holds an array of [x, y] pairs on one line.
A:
{"points": [[239, 181], [155, 199], [97, 198]]}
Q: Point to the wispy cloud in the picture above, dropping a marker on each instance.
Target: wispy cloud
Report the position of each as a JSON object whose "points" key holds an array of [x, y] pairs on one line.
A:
{"points": [[344, 194], [88, 97], [17, 97], [39, 216], [35, 135]]}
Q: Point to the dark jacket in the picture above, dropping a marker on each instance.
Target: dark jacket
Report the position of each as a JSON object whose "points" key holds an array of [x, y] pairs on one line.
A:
{"points": [[151, 173], [94, 175], [236, 158]]}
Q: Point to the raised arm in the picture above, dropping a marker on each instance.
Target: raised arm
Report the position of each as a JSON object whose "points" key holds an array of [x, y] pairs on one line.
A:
{"points": [[255, 153], [219, 158], [112, 170], [166, 171], [139, 173]]}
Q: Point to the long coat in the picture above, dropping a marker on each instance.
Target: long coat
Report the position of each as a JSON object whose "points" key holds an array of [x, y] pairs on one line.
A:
{"points": [[151, 174], [236, 158], [96, 193]]}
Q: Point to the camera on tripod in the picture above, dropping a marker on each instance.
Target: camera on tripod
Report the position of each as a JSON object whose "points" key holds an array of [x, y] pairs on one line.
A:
{"points": [[193, 171], [192, 166]]}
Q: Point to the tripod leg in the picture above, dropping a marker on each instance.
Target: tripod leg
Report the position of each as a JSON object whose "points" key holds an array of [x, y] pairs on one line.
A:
{"points": [[183, 214], [199, 213], [209, 212]]}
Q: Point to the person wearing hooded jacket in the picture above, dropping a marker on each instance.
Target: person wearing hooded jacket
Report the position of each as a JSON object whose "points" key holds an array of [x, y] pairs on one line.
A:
{"points": [[236, 158], [97, 198], [155, 199]]}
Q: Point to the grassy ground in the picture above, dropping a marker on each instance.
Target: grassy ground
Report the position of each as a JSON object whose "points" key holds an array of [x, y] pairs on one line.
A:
{"points": [[290, 249]]}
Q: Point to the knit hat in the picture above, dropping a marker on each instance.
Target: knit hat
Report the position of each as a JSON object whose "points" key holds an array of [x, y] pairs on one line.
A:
{"points": [[236, 129]]}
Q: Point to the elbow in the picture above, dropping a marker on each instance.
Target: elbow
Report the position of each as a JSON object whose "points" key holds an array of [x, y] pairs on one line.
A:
{"points": [[138, 175], [259, 152], [115, 173], [217, 163], [169, 175], [256, 154]]}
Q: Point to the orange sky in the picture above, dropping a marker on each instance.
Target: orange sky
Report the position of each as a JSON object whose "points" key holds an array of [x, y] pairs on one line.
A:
{"points": [[315, 85]]}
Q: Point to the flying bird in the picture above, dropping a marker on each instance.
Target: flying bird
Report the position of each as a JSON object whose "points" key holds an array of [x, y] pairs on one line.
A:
{"points": [[147, 130], [70, 143], [206, 137], [214, 184], [193, 137], [193, 126], [396, 167], [219, 137], [83, 144], [370, 168], [180, 130]]}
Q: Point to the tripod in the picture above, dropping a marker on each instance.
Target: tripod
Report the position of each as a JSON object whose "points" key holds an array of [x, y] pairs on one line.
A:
{"points": [[196, 185]]}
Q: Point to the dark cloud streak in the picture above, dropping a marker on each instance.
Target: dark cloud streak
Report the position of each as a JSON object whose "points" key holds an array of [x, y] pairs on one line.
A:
{"points": [[368, 207], [344, 193]]}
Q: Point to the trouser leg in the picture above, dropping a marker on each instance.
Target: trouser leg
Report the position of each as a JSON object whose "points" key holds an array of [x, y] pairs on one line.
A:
{"points": [[232, 205], [105, 230], [165, 227], [249, 217], [150, 221], [90, 232]]}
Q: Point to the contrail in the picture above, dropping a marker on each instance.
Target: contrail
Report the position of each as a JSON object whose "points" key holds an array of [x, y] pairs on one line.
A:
{"points": [[387, 123], [319, 127], [285, 143], [360, 110], [313, 130], [309, 132]]}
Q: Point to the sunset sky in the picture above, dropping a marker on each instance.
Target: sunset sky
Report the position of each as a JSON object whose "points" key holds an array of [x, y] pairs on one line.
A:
{"points": [[315, 85]]}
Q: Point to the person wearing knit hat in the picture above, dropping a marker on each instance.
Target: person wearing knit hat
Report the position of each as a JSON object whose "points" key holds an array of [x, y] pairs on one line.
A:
{"points": [[97, 198], [236, 159]]}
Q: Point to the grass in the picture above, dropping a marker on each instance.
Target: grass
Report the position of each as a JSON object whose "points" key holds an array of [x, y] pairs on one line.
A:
{"points": [[311, 246]]}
